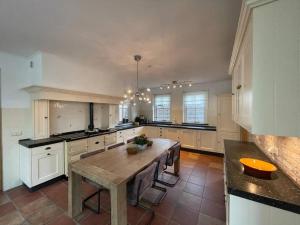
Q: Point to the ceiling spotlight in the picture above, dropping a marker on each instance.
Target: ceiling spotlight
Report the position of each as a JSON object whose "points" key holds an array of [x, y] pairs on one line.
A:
{"points": [[190, 85], [160, 88], [180, 85], [129, 91], [144, 99], [149, 102], [125, 96], [140, 98], [168, 87], [148, 99], [174, 86], [148, 89], [134, 104], [142, 94], [131, 98]]}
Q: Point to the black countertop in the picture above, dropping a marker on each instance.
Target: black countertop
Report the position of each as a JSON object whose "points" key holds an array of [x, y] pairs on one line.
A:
{"points": [[29, 143], [77, 135], [280, 191]]}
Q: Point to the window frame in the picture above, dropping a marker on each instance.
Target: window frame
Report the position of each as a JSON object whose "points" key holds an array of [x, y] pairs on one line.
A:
{"points": [[121, 112], [184, 119], [154, 116]]}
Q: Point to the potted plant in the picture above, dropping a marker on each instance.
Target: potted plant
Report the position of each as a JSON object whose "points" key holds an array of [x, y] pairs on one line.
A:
{"points": [[142, 142]]}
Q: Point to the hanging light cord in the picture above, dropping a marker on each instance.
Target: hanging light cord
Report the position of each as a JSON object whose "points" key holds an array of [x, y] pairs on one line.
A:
{"points": [[137, 75]]}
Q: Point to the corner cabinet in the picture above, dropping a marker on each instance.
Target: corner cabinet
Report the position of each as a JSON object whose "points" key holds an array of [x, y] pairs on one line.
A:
{"points": [[265, 68], [41, 164]]}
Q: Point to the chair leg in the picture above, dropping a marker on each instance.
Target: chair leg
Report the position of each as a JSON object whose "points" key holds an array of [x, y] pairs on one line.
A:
{"points": [[150, 210], [98, 202], [162, 189]]}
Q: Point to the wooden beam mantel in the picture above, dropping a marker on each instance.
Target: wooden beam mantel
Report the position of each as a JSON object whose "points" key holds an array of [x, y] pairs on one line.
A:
{"points": [[51, 93]]}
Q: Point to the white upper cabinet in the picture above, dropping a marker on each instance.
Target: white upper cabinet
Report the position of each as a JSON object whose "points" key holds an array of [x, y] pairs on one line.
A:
{"points": [[41, 119], [265, 66]]}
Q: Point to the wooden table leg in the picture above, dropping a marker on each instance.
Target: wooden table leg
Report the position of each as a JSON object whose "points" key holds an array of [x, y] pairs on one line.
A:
{"points": [[177, 166], [118, 199], [74, 195]]}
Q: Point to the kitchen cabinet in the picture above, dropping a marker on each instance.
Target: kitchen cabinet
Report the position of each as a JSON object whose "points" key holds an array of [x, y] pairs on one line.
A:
{"points": [[120, 137], [188, 138], [73, 151], [207, 141], [226, 136], [41, 164], [265, 68], [95, 143], [152, 132], [40, 119], [257, 213], [113, 118], [171, 133], [110, 139]]}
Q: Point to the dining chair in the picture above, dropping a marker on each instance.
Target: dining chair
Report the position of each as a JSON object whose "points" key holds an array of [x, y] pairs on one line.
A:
{"points": [[168, 178], [160, 191], [139, 186], [97, 186]]}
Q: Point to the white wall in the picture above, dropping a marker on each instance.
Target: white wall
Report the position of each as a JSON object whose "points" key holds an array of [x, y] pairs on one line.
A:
{"points": [[61, 72], [214, 89], [16, 114]]}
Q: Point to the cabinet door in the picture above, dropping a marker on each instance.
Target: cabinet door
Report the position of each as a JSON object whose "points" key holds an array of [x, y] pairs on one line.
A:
{"points": [[236, 87], [95, 143], [172, 133], [188, 139], [110, 139], [207, 140], [46, 166], [113, 116], [152, 132], [225, 121], [41, 118], [226, 136]]}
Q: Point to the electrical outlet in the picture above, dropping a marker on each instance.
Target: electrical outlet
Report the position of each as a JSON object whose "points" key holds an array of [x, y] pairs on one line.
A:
{"points": [[16, 133]]}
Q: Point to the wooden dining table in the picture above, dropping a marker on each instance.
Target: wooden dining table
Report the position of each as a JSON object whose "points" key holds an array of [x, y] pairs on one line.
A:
{"points": [[113, 169]]}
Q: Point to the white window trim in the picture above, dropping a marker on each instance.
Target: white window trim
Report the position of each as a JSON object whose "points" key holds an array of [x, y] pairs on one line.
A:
{"points": [[206, 105]]}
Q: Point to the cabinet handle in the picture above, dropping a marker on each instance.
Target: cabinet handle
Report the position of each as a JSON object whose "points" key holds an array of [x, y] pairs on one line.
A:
{"points": [[46, 117], [48, 148], [48, 154], [232, 94], [239, 87], [97, 142]]}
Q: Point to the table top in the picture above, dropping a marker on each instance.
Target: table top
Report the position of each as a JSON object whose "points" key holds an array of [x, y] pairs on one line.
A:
{"points": [[116, 166]]}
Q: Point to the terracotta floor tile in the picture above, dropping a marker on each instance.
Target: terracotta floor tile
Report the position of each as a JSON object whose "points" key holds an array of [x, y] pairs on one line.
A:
{"points": [[3, 198], [45, 215], [181, 213], [7, 208], [18, 191], [190, 201], [165, 209], [63, 220], [13, 218], [96, 219], [215, 194], [207, 220], [35, 206], [23, 200], [194, 189], [180, 184], [197, 180], [213, 209], [134, 214], [157, 220]]}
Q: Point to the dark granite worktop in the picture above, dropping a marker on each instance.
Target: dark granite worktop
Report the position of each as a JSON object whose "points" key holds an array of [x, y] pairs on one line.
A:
{"points": [[77, 135], [278, 192], [29, 143]]}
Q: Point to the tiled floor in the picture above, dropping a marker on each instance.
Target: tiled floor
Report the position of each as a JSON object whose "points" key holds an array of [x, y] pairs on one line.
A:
{"points": [[197, 199]]}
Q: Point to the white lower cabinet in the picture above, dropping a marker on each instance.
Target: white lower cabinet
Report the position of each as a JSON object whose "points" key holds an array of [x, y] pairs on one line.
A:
{"points": [[95, 143], [207, 141], [152, 132], [188, 138], [41, 164], [226, 136], [171, 133], [247, 212]]}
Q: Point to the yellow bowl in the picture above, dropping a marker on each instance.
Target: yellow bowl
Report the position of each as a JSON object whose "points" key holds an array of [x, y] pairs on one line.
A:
{"points": [[258, 164]]}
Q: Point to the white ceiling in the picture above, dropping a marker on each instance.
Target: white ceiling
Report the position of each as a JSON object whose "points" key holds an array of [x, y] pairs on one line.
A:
{"points": [[180, 39]]}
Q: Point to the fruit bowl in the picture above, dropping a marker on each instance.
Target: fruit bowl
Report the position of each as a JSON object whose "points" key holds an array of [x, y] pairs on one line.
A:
{"points": [[258, 168]]}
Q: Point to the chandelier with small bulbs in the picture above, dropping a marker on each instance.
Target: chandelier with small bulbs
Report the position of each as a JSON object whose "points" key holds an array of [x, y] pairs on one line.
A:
{"points": [[137, 96], [176, 84]]}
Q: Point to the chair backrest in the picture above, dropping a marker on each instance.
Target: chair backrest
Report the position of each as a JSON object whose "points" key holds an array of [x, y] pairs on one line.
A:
{"points": [[142, 182], [161, 164], [173, 154]]}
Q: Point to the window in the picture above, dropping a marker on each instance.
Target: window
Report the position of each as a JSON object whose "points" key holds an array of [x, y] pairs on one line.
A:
{"points": [[161, 109], [123, 112], [195, 107]]}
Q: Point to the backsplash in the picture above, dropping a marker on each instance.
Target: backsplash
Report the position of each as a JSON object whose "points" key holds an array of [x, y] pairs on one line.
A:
{"points": [[284, 151]]}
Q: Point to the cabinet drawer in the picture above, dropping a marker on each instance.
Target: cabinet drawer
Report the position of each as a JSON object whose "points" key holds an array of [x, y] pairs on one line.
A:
{"points": [[95, 143], [110, 139], [77, 147], [47, 148]]}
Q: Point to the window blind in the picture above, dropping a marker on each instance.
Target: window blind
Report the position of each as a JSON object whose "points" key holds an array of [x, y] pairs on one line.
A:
{"points": [[161, 109], [195, 107]]}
